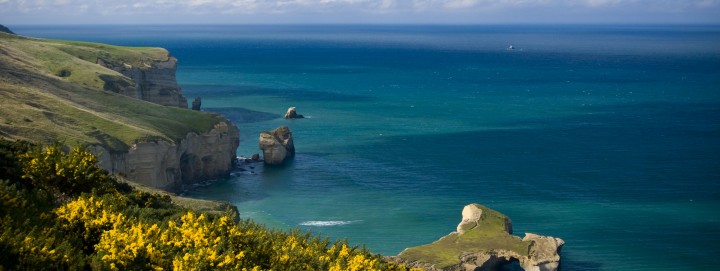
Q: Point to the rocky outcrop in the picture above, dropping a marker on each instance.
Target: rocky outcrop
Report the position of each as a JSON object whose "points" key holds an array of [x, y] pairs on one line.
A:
{"points": [[277, 145], [153, 82], [170, 165], [197, 103], [484, 242], [292, 114]]}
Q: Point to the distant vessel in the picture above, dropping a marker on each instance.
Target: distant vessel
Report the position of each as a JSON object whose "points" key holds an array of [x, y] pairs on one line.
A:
{"points": [[511, 47]]}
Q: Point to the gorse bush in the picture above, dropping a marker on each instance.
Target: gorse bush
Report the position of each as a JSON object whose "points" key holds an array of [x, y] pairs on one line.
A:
{"points": [[63, 174], [74, 216]]}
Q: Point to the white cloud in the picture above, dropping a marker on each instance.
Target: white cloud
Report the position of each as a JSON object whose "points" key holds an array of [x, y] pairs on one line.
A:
{"points": [[460, 4], [412, 10], [600, 3]]}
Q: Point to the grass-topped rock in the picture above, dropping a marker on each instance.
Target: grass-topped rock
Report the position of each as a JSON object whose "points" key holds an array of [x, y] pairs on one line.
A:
{"points": [[484, 241]]}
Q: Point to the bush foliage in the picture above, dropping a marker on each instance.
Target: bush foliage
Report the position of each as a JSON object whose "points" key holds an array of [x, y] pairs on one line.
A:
{"points": [[74, 216]]}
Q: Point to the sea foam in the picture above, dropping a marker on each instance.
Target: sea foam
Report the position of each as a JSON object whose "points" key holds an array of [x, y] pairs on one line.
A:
{"points": [[326, 223]]}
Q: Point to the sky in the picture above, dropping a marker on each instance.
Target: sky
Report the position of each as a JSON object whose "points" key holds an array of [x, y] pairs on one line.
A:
{"points": [[22, 12]]}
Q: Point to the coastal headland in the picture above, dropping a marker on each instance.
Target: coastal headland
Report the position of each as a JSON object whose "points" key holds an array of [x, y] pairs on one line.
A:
{"points": [[124, 102]]}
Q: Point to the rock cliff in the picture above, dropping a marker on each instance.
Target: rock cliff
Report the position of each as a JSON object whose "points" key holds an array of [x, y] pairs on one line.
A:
{"points": [[484, 242], [170, 165], [153, 81], [92, 94], [277, 145]]}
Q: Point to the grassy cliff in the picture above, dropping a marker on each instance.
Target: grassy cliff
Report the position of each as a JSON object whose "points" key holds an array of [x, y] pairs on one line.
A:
{"points": [[489, 234], [53, 90]]}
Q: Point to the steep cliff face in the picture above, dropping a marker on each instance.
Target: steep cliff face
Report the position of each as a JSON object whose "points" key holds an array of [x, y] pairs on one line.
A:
{"points": [[153, 82], [170, 165], [92, 94]]}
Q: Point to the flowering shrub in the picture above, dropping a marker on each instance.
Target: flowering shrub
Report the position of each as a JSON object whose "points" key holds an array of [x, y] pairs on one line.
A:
{"points": [[111, 229], [63, 174], [198, 242]]}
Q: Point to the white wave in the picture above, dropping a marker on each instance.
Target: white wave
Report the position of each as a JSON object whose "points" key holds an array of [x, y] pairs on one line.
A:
{"points": [[326, 223]]}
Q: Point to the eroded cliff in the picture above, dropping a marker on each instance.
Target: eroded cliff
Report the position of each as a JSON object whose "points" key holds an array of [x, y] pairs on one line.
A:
{"points": [[154, 81], [171, 165], [111, 98]]}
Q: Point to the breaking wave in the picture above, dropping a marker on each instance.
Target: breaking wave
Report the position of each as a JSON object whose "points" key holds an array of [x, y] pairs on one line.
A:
{"points": [[326, 223]]}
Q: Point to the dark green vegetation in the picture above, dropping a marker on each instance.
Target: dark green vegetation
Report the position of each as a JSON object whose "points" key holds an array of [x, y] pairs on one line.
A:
{"points": [[61, 212], [5, 29], [55, 90], [490, 234]]}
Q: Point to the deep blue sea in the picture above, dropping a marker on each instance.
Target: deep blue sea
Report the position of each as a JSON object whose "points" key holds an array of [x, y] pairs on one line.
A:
{"points": [[606, 136]]}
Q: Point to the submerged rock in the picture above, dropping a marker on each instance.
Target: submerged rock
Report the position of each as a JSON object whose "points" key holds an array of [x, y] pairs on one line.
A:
{"points": [[484, 241], [292, 114], [277, 145]]}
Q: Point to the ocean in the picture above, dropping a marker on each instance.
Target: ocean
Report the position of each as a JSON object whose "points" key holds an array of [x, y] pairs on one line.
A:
{"points": [[607, 136]]}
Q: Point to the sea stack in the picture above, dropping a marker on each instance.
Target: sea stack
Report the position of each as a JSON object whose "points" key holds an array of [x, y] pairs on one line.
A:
{"points": [[197, 103], [484, 241], [277, 145], [292, 114]]}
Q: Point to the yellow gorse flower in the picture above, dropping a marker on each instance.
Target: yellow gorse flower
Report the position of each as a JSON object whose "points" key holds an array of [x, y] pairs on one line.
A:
{"points": [[196, 242]]}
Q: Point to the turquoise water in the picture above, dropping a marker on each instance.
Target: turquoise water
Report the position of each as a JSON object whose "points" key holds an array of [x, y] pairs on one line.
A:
{"points": [[605, 136]]}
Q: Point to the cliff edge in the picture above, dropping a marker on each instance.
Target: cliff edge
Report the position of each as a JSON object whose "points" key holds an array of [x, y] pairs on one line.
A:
{"points": [[484, 241], [154, 80], [5, 29], [114, 99]]}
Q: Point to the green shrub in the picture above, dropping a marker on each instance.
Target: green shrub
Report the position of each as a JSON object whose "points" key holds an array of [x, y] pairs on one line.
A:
{"points": [[74, 216], [10, 168], [63, 175], [29, 236]]}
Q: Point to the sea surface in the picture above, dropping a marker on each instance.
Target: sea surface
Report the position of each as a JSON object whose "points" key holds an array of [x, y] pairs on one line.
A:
{"points": [[607, 136]]}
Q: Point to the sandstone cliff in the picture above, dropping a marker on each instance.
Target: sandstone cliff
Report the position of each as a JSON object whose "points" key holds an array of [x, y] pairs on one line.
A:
{"points": [[170, 165], [154, 81], [113, 98], [484, 242], [277, 145]]}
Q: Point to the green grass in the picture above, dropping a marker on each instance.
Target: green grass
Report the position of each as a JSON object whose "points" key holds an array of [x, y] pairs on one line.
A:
{"points": [[197, 205], [489, 235], [52, 90]]}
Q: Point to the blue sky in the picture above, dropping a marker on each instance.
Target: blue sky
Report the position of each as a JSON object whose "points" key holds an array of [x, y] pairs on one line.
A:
{"points": [[14, 12]]}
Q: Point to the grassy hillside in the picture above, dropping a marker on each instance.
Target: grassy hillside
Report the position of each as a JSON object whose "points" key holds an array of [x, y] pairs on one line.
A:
{"points": [[53, 90]]}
